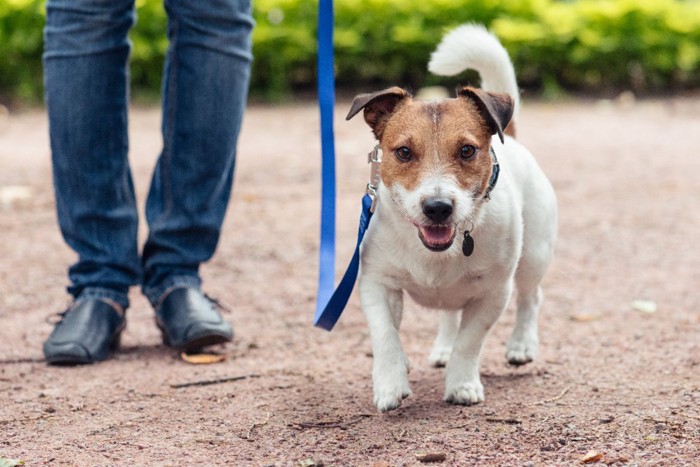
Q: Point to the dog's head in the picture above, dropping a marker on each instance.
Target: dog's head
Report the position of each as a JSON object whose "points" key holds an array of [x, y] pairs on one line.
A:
{"points": [[437, 162]]}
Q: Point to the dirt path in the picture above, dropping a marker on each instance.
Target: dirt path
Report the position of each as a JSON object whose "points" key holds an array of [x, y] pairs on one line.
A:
{"points": [[610, 379]]}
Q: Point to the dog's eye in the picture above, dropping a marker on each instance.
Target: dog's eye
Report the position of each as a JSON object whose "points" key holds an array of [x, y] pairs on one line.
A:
{"points": [[467, 152], [403, 154]]}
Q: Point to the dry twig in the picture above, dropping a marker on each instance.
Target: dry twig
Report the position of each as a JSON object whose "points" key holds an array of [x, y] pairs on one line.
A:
{"points": [[8, 361], [331, 424], [209, 382], [554, 399], [257, 425], [507, 421]]}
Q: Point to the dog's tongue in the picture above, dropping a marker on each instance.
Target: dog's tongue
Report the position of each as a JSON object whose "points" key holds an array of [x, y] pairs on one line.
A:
{"points": [[437, 234]]}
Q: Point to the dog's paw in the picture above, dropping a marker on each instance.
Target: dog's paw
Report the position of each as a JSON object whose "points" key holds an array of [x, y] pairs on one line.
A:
{"points": [[468, 393], [390, 379], [390, 397], [520, 352], [439, 356]]}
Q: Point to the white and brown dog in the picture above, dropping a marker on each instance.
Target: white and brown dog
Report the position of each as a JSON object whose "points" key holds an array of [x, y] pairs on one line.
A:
{"points": [[440, 181]]}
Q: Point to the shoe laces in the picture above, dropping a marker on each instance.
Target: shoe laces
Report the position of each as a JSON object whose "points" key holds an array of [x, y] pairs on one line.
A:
{"points": [[58, 317], [217, 303]]}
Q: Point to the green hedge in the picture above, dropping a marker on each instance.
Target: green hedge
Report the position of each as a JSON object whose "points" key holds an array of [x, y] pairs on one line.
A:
{"points": [[21, 42], [585, 45]]}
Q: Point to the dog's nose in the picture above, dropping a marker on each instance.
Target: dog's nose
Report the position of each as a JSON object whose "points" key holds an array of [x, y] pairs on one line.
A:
{"points": [[437, 209]]}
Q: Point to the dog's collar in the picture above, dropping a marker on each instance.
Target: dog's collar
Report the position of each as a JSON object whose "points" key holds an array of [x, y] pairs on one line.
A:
{"points": [[375, 158], [495, 170]]}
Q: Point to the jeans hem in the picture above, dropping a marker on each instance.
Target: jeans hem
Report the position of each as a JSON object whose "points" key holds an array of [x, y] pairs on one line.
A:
{"points": [[156, 294], [96, 293]]}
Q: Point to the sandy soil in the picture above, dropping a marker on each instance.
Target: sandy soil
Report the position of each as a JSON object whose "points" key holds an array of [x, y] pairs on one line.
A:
{"points": [[613, 380]]}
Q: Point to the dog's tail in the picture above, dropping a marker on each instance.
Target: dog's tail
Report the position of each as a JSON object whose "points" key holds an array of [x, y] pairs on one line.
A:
{"points": [[472, 46]]}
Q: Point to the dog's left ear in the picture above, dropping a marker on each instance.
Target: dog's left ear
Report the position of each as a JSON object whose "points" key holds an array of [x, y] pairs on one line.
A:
{"points": [[378, 107], [496, 108]]}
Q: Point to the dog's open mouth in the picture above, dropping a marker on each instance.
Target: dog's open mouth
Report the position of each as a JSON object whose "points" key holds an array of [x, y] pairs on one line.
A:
{"points": [[437, 237]]}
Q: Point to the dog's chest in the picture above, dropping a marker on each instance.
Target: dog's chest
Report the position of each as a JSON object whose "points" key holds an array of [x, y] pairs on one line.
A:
{"points": [[446, 285]]}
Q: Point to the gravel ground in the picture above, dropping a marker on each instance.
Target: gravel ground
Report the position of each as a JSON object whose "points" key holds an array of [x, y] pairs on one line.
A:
{"points": [[613, 384]]}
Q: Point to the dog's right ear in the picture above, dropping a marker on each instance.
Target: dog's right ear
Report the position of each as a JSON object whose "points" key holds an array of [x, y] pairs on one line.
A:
{"points": [[378, 107], [496, 108]]}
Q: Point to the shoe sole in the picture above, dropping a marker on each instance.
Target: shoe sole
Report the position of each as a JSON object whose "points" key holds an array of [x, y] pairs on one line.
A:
{"points": [[199, 343], [196, 343]]}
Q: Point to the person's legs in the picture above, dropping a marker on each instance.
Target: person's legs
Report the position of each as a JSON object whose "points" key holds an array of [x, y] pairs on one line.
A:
{"points": [[205, 88], [85, 71], [204, 94]]}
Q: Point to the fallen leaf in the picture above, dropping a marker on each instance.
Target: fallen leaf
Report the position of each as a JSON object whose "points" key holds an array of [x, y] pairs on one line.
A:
{"points": [[250, 197], [14, 194], [424, 456], [10, 462], [591, 456], [202, 358], [645, 306], [585, 317], [310, 463]]}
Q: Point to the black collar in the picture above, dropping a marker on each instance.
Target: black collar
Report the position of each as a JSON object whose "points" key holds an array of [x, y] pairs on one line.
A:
{"points": [[494, 175]]}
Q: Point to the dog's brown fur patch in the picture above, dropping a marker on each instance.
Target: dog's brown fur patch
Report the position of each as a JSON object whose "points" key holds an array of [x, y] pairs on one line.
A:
{"points": [[435, 133]]}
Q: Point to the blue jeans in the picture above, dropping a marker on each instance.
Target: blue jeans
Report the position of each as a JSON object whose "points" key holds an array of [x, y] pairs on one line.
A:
{"points": [[205, 86]]}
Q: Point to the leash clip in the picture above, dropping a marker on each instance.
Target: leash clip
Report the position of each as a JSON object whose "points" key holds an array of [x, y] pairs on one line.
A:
{"points": [[374, 157]]}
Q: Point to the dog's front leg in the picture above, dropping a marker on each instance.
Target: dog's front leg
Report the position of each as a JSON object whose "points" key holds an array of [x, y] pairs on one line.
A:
{"points": [[463, 382], [522, 345], [447, 333], [383, 308]]}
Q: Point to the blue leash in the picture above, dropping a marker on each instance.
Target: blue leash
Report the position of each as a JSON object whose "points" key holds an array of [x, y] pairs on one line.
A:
{"points": [[330, 303], [328, 312]]}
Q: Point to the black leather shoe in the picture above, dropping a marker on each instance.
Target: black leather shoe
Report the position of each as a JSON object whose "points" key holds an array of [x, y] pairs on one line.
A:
{"points": [[87, 332], [190, 321]]}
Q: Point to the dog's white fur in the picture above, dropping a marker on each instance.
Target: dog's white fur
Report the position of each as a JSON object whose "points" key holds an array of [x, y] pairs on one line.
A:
{"points": [[514, 234]]}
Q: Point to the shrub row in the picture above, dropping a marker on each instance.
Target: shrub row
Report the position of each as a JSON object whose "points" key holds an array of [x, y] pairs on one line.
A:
{"points": [[583, 45]]}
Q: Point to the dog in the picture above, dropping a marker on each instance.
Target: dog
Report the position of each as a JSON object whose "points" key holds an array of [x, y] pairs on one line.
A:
{"points": [[463, 216]]}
